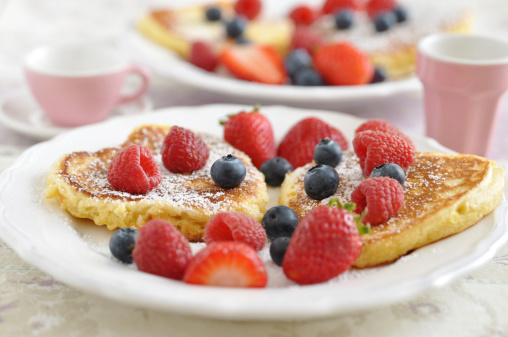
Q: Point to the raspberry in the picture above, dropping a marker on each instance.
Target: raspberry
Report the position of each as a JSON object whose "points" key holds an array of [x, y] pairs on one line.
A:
{"points": [[306, 38], [227, 264], [343, 64], [325, 243], [248, 8], [376, 7], [134, 170], [162, 250], [375, 148], [381, 125], [232, 226], [183, 151], [382, 197], [333, 6], [202, 56], [303, 15], [300, 142]]}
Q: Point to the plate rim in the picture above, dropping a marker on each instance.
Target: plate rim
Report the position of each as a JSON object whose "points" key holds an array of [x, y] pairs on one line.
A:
{"points": [[25, 249]]}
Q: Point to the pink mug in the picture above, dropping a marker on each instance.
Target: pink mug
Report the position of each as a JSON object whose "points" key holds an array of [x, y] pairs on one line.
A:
{"points": [[464, 77], [80, 83]]}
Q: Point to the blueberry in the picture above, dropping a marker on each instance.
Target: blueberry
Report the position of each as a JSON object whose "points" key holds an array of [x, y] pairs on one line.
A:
{"points": [[122, 243], [275, 170], [400, 14], [327, 152], [389, 170], [321, 181], [235, 27], [279, 221], [379, 75], [296, 60], [384, 21], [228, 171], [344, 19], [213, 14], [307, 77], [278, 249], [242, 40]]}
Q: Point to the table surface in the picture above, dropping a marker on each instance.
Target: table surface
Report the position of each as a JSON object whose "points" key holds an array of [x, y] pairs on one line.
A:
{"points": [[33, 303]]}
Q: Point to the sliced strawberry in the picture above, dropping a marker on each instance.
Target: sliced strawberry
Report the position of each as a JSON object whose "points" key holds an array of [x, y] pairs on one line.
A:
{"points": [[227, 264], [256, 63]]}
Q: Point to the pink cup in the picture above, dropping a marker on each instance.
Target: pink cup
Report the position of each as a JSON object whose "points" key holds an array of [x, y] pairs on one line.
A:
{"points": [[464, 78], [80, 83]]}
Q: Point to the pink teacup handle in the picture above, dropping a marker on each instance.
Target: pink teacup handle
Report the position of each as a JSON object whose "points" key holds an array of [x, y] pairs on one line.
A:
{"points": [[145, 78]]}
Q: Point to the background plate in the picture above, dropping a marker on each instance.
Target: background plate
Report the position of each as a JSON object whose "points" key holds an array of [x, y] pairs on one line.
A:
{"points": [[76, 251]]}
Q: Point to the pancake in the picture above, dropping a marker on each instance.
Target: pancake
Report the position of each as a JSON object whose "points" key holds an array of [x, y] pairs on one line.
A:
{"points": [[79, 182], [443, 195]]}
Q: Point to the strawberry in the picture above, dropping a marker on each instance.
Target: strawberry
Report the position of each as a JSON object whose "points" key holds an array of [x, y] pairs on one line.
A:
{"points": [[253, 62], [248, 8], [227, 264], [306, 38], [252, 133], [303, 15], [232, 226], [376, 7], [333, 6], [343, 64], [202, 56], [134, 170], [162, 250], [325, 243], [299, 143]]}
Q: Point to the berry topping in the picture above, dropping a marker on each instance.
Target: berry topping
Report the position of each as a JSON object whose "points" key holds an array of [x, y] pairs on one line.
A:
{"points": [[382, 197], [228, 171], [227, 264], [134, 170], [333, 6], [389, 170], [400, 14], [296, 60], [376, 7], [279, 221], [320, 182], [235, 27], [303, 15], [183, 151], [381, 125], [275, 170], [278, 249], [122, 244], [248, 8], [384, 21], [213, 14], [325, 244], [202, 56], [375, 148], [306, 38], [300, 142], [307, 77], [162, 250], [343, 64], [252, 133], [344, 19], [253, 62], [232, 226], [379, 75], [328, 152]]}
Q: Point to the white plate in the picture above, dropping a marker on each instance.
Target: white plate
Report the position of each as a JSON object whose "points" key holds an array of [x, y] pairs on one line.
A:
{"points": [[168, 64], [76, 251], [20, 112]]}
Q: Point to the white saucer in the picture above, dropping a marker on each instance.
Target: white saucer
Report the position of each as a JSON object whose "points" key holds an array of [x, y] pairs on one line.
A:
{"points": [[20, 112]]}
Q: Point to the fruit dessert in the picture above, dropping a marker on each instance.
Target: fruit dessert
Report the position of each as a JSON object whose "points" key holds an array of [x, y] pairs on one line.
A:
{"points": [[340, 42], [159, 172]]}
